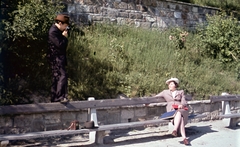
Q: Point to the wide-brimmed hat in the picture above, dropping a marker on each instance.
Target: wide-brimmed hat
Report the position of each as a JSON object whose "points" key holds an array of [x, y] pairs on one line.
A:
{"points": [[172, 79], [63, 18]]}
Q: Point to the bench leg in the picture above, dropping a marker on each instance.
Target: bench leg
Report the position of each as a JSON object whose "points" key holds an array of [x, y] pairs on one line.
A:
{"points": [[97, 137], [4, 143], [233, 122], [170, 127]]}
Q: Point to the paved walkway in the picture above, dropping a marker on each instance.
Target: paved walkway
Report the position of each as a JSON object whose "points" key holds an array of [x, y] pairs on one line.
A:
{"points": [[201, 134]]}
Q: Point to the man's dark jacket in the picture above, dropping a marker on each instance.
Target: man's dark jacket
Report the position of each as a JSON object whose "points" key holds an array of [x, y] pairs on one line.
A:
{"points": [[57, 43]]}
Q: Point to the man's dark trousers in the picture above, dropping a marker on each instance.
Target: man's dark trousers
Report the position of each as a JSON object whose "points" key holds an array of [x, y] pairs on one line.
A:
{"points": [[59, 78]]}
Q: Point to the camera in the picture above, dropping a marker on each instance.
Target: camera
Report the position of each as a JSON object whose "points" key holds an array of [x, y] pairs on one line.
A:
{"points": [[68, 28]]}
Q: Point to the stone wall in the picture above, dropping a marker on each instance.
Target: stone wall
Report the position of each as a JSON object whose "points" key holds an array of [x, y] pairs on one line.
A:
{"points": [[61, 120], [158, 14]]}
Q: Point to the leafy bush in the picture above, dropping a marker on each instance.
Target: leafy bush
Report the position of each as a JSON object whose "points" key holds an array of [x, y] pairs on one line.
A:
{"points": [[24, 64], [221, 40]]}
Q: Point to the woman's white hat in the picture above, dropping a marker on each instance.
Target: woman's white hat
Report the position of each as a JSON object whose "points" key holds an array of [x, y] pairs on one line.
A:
{"points": [[172, 79]]}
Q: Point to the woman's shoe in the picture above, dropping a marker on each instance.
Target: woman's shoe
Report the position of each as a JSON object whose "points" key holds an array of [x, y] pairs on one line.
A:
{"points": [[174, 133], [185, 141]]}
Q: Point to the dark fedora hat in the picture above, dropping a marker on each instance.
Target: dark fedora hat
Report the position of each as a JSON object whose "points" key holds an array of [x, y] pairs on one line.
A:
{"points": [[62, 18]]}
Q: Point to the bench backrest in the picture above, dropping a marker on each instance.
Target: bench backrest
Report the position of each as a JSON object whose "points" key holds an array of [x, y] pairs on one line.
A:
{"points": [[78, 105], [75, 105], [225, 98]]}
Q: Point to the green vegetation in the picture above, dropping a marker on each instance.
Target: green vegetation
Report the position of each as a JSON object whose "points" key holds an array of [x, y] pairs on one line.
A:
{"points": [[137, 62], [104, 60], [225, 5]]}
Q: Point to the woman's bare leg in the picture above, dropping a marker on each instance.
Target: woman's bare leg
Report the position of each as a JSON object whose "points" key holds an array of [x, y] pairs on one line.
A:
{"points": [[177, 121], [182, 128]]}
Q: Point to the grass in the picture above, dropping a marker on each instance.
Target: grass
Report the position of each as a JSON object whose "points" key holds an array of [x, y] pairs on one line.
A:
{"points": [[112, 59]]}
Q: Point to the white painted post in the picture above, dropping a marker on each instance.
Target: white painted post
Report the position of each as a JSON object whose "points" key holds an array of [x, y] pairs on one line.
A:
{"points": [[226, 110], [93, 117], [93, 113]]}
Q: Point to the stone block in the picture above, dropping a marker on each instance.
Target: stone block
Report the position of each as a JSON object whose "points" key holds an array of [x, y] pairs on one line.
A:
{"points": [[177, 14], [120, 5], [161, 22], [179, 22], [197, 108], [37, 126], [121, 21], [6, 122], [96, 17], [200, 10], [17, 130], [151, 10], [195, 9], [146, 25], [135, 16], [81, 9], [159, 4], [178, 7], [22, 120], [149, 18], [161, 110], [166, 13], [114, 116], [172, 6], [127, 113], [214, 115], [71, 8], [138, 112], [69, 115], [133, 6], [82, 116], [52, 118], [88, 2], [123, 14], [152, 3], [94, 9], [152, 111], [56, 126], [84, 18], [102, 117], [112, 13], [186, 8]]}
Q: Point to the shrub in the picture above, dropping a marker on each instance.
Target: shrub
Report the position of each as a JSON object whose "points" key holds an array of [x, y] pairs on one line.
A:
{"points": [[220, 38], [24, 64]]}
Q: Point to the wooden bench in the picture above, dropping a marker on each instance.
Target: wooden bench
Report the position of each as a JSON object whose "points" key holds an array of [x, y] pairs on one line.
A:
{"points": [[97, 134], [229, 118]]}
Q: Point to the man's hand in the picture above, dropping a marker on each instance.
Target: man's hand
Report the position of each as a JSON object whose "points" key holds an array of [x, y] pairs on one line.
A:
{"points": [[65, 33]]}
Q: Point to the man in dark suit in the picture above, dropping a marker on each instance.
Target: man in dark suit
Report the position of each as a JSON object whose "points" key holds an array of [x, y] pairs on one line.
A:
{"points": [[57, 45]]}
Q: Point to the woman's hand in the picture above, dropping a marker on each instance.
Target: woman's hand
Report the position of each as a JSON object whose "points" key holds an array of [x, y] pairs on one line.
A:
{"points": [[180, 106]]}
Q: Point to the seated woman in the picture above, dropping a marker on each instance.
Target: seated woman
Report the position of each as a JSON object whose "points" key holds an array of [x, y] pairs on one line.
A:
{"points": [[176, 97]]}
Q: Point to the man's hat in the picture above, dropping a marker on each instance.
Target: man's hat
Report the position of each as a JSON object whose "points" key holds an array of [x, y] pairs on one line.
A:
{"points": [[62, 18]]}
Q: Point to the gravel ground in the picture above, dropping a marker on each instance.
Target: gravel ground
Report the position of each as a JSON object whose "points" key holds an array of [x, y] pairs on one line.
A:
{"points": [[201, 134]]}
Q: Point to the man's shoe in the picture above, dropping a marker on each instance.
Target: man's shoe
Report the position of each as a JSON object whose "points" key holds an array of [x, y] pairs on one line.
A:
{"points": [[64, 100]]}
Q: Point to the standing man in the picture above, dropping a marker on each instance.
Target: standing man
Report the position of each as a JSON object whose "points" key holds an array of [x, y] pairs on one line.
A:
{"points": [[57, 45]]}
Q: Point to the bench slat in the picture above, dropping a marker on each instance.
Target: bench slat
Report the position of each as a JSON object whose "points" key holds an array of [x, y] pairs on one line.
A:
{"points": [[131, 124], [75, 105], [225, 98], [41, 134], [235, 115]]}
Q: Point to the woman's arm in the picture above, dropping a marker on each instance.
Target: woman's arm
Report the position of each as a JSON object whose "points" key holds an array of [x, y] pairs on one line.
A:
{"points": [[159, 95], [183, 100]]}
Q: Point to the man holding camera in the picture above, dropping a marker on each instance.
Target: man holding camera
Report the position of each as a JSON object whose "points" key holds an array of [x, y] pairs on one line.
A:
{"points": [[57, 45]]}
